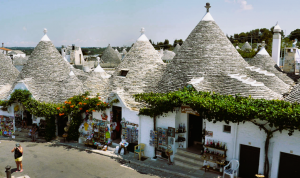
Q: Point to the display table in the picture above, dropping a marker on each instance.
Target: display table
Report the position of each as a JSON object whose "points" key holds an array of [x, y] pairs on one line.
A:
{"points": [[212, 170]]}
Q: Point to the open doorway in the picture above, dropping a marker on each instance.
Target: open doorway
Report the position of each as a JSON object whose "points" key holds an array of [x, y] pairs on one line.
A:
{"points": [[28, 118], [117, 117], [195, 134]]}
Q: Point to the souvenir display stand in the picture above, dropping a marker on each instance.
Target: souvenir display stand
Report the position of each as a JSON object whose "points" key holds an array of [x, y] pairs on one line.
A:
{"points": [[180, 135], [163, 140], [214, 152], [6, 127], [130, 133], [95, 133]]}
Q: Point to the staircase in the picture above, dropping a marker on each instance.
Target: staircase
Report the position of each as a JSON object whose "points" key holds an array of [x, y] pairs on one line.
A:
{"points": [[187, 159]]}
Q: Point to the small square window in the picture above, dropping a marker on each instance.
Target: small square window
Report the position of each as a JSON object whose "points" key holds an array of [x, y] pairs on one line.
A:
{"points": [[227, 128], [123, 72]]}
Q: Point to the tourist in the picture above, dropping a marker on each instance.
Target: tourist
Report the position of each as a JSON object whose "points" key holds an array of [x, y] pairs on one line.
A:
{"points": [[18, 156]]}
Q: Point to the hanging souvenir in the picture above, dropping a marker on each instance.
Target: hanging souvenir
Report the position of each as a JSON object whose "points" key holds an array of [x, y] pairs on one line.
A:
{"points": [[107, 135], [104, 116]]}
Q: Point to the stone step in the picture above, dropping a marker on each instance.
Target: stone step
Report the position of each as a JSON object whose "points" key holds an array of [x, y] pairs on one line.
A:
{"points": [[185, 164], [189, 154], [195, 160], [187, 159]]}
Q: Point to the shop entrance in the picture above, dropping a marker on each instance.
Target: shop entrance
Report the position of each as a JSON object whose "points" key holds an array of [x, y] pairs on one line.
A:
{"points": [[61, 123], [195, 133], [288, 165], [249, 161], [27, 117], [117, 117]]}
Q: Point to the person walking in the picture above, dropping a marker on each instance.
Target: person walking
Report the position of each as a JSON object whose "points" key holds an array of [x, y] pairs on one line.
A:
{"points": [[18, 156]]}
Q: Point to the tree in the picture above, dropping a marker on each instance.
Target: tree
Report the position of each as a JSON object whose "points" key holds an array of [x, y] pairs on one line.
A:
{"points": [[175, 42], [295, 34], [166, 42], [180, 42]]}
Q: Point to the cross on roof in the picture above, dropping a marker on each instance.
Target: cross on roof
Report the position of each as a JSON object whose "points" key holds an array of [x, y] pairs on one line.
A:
{"points": [[45, 31], [263, 44], [207, 6], [143, 30]]}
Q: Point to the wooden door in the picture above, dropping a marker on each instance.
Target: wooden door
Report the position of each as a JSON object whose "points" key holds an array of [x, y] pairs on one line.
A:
{"points": [[249, 161], [288, 165]]}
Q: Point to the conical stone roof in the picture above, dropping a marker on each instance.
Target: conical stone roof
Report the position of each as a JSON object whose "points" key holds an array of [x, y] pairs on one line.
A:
{"points": [[124, 51], [46, 74], [177, 47], [294, 95], [117, 52], [246, 46], [263, 60], [8, 75], [168, 55], [110, 56], [145, 69], [208, 61]]}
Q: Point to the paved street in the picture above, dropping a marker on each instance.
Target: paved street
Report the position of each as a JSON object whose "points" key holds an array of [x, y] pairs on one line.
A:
{"points": [[45, 160]]}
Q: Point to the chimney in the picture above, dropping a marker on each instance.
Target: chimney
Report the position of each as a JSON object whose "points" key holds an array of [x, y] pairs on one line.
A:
{"points": [[2, 45], [73, 46]]}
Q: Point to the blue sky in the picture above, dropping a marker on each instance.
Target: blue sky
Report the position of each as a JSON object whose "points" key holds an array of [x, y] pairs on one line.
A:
{"points": [[118, 22]]}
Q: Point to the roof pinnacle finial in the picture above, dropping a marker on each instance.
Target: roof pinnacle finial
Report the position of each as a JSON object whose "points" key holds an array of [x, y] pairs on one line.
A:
{"points": [[207, 6], [98, 59], [45, 31], [263, 44], [142, 30]]}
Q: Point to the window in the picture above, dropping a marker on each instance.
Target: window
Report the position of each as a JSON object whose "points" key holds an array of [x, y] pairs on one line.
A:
{"points": [[227, 128], [80, 58], [124, 72]]}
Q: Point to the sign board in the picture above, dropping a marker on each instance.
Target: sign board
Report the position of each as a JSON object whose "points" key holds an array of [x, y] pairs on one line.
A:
{"points": [[13, 137], [209, 133], [188, 110]]}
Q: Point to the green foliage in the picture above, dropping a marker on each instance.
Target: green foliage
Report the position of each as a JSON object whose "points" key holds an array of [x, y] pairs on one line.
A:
{"points": [[73, 133], [295, 34], [247, 54], [217, 108]]}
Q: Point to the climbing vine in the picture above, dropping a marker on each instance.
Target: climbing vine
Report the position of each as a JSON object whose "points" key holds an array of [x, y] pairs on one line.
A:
{"points": [[273, 115]]}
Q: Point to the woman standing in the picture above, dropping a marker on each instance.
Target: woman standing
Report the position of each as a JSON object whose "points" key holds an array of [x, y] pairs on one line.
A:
{"points": [[18, 156]]}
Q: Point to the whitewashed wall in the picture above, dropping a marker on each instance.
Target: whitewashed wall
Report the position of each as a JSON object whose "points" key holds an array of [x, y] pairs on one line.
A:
{"points": [[145, 125], [249, 134], [282, 142]]}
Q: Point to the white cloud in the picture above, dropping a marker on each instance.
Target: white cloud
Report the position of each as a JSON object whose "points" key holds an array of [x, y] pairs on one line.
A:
{"points": [[244, 6], [24, 28]]}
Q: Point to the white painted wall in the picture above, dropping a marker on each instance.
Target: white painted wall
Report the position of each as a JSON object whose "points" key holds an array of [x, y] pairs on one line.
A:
{"points": [[145, 125], [283, 143], [249, 134]]}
